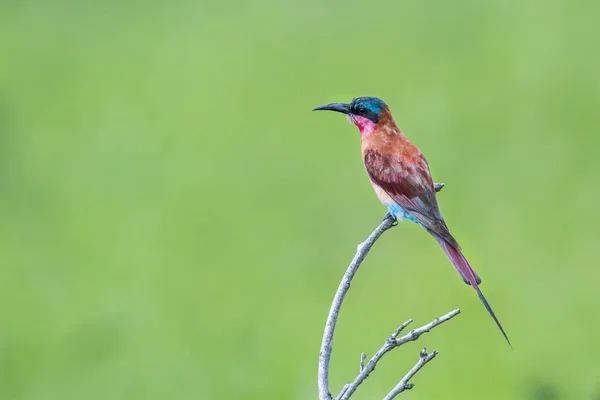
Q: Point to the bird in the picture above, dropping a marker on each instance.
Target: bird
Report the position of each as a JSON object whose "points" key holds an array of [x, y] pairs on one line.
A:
{"points": [[400, 176]]}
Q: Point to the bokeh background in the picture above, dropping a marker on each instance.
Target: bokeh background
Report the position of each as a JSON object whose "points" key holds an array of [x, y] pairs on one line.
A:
{"points": [[175, 220]]}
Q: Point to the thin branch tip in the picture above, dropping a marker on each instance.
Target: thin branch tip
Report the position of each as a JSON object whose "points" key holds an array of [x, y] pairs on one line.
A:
{"points": [[403, 385], [400, 328], [363, 356]]}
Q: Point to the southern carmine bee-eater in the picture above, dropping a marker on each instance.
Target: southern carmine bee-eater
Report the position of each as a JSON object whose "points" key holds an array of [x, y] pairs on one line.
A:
{"points": [[400, 175]]}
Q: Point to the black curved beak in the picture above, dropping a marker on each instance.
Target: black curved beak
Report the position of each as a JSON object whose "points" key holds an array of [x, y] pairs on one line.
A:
{"points": [[339, 107]]}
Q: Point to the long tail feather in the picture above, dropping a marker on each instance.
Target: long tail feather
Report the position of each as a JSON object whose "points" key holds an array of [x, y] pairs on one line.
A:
{"points": [[489, 308], [469, 276], [459, 261]]}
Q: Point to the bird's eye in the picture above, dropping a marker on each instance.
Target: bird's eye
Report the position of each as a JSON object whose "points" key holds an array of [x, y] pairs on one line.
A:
{"points": [[361, 110]]}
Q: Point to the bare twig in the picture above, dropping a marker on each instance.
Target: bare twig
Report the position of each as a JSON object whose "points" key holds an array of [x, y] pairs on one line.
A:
{"points": [[363, 357], [393, 342], [403, 385], [400, 329], [327, 342]]}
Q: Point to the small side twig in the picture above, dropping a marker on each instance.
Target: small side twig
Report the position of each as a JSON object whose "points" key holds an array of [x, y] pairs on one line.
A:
{"points": [[400, 329], [403, 385]]}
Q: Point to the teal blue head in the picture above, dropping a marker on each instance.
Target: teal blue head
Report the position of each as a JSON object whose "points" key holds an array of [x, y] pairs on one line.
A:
{"points": [[365, 107]]}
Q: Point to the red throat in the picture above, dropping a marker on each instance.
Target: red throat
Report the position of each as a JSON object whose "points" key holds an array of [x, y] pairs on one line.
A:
{"points": [[365, 125]]}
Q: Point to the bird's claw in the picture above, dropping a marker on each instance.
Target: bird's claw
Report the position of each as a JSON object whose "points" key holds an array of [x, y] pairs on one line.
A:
{"points": [[389, 215]]}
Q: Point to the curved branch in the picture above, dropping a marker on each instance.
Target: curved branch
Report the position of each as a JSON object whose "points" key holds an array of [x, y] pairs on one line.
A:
{"points": [[327, 342]]}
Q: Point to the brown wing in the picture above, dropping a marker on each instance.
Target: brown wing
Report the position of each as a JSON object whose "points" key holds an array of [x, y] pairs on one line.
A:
{"points": [[409, 184]]}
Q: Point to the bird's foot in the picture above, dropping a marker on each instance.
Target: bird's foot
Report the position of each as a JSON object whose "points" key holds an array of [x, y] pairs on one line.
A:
{"points": [[391, 217], [438, 186]]}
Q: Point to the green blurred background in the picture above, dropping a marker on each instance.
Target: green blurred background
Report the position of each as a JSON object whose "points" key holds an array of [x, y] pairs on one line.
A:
{"points": [[175, 220]]}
